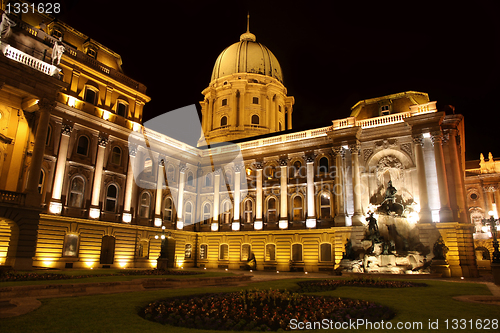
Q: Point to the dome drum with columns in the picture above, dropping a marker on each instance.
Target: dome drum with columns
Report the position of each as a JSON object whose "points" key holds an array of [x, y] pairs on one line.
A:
{"points": [[246, 96]]}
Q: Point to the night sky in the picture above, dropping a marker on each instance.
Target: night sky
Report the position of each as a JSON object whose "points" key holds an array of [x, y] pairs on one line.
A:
{"points": [[332, 55]]}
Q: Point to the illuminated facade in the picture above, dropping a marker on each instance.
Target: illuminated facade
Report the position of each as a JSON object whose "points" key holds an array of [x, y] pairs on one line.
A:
{"points": [[70, 198]]}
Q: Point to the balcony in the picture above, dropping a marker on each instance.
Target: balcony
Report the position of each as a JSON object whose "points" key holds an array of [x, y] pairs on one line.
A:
{"points": [[385, 120], [13, 198]]}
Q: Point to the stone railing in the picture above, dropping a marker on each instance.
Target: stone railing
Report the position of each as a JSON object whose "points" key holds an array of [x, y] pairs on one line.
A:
{"points": [[19, 56], [12, 197]]}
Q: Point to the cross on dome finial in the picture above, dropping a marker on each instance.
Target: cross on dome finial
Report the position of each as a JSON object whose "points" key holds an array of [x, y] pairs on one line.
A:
{"points": [[248, 36]]}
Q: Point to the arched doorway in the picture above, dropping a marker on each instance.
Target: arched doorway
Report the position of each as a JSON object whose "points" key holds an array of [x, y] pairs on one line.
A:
{"points": [[107, 250]]}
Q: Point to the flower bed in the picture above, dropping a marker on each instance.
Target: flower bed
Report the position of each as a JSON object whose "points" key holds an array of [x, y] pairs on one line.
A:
{"points": [[325, 285], [13, 276], [259, 310]]}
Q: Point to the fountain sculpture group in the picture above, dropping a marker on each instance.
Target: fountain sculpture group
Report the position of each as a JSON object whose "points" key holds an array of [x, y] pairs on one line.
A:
{"points": [[391, 245]]}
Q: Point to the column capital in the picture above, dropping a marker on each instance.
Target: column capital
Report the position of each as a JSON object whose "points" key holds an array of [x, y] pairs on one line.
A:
{"points": [[218, 172], [182, 168], [354, 148], [418, 139], [132, 149], [258, 165], [45, 104], [284, 161], [238, 167], [339, 150], [102, 141], [436, 138], [66, 129], [310, 158]]}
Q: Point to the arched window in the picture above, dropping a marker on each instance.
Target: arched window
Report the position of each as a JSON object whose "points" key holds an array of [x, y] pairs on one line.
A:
{"points": [[272, 216], [325, 252], [76, 192], [188, 214], [297, 208], [323, 165], [82, 146], [207, 213], [226, 215], [90, 96], [190, 181], [116, 155], [269, 171], [111, 198], [246, 249], [223, 121], [49, 135], [324, 205], [270, 252], [171, 173], [255, 119], [144, 204], [168, 210], [248, 211], [297, 252], [203, 251], [224, 252], [208, 179], [41, 181], [187, 251], [122, 108]]}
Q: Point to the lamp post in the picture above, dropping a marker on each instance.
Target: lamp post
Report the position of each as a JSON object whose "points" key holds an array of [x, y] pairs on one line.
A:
{"points": [[163, 258], [492, 222], [495, 264]]}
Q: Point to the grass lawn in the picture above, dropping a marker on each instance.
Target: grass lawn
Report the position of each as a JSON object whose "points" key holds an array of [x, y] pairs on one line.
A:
{"points": [[78, 272], [118, 312]]}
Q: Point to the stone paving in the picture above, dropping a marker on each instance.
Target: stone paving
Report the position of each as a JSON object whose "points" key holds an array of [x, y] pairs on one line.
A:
{"points": [[19, 300]]}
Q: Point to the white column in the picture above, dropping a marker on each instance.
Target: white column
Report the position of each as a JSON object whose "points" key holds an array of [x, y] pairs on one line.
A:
{"points": [[215, 221], [129, 186], [339, 190], [180, 203], [357, 190], [311, 210], [159, 191], [258, 212], [425, 212], [237, 197], [39, 148], [55, 206], [445, 213], [283, 223], [458, 177], [95, 210]]}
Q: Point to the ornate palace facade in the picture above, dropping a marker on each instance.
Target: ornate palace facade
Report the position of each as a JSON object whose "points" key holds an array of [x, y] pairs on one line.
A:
{"points": [[78, 191]]}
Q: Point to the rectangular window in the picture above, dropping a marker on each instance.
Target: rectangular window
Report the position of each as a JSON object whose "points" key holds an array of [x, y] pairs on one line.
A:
{"points": [[224, 102], [255, 100]]}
